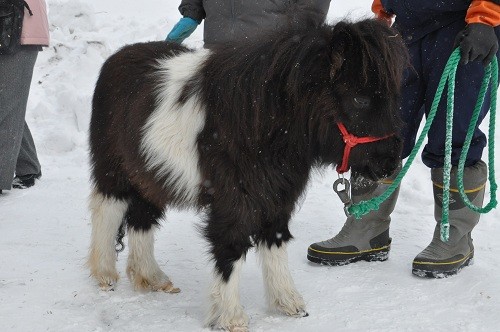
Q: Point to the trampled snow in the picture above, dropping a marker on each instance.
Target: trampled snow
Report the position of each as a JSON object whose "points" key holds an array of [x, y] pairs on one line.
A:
{"points": [[45, 230]]}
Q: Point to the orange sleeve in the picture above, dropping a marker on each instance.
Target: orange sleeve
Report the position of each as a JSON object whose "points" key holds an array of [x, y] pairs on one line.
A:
{"points": [[483, 11]]}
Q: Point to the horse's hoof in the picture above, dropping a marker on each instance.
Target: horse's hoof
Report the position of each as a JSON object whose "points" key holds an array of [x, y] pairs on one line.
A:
{"points": [[300, 313], [238, 329], [168, 287], [292, 308], [107, 287], [230, 328], [107, 283]]}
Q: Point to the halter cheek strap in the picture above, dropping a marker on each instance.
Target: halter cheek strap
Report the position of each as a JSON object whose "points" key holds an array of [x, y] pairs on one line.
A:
{"points": [[350, 142]]}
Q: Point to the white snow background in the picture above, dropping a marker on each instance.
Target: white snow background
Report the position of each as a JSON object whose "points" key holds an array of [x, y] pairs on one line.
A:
{"points": [[45, 230]]}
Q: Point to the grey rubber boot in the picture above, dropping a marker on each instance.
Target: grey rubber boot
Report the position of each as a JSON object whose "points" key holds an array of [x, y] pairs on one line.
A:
{"points": [[360, 239], [442, 259]]}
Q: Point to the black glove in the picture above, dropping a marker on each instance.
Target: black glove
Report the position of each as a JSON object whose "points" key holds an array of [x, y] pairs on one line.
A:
{"points": [[478, 42]]}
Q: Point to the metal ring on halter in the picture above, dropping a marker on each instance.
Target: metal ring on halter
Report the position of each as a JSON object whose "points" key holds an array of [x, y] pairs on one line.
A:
{"points": [[345, 193]]}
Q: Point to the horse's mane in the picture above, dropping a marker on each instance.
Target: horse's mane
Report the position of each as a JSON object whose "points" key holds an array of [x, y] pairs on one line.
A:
{"points": [[287, 68], [261, 79]]}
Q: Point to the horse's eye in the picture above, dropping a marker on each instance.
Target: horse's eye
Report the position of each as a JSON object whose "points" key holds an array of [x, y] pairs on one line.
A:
{"points": [[361, 102]]}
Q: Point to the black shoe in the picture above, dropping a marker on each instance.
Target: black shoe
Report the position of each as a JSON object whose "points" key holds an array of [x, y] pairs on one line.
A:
{"points": [[25, 181]]}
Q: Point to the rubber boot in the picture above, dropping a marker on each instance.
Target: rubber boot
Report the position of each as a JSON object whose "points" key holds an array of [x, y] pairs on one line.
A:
{"points": [[442, 259], [360, 239]]}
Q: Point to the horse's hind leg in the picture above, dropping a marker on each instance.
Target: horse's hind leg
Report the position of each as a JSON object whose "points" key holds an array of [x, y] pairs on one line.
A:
{"points": [[280, 288], [107, 214], [142, 268]]}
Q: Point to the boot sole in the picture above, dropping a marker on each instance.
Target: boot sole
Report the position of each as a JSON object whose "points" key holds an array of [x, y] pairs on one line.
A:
{"points": [[323, 258], [432, 271]]}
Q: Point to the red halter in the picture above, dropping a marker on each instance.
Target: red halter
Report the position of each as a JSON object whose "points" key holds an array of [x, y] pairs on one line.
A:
{"points": [[350, 142]]}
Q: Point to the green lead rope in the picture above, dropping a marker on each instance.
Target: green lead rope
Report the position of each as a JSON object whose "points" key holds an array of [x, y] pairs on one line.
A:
{"points": [[491, 75], [492, 70]]}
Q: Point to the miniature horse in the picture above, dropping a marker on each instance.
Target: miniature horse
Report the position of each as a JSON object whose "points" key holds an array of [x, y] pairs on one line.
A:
{"points": [[235, 132]]}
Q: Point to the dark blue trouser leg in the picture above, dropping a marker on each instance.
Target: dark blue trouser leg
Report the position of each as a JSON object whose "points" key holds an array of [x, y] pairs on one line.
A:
{"points": [[429, 56]]}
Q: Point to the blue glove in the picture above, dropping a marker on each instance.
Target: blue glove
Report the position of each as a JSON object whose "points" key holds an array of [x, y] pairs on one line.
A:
{"points": [[183, 29]]}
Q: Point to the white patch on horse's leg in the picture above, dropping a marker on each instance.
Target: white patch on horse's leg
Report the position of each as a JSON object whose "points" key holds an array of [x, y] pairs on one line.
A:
{"points": [[142, 268], [106, 217], [226, 311], [280, 288]]}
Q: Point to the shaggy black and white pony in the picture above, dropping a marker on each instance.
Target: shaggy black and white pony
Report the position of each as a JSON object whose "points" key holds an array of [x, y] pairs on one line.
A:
{"points": [[235, 132]]}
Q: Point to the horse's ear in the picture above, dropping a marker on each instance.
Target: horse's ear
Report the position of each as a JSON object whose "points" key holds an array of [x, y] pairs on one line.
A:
{"points": [[341, 41]]}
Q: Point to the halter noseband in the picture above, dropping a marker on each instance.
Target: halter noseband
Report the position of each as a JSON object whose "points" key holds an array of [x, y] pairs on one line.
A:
{"points": [[350, 142]]}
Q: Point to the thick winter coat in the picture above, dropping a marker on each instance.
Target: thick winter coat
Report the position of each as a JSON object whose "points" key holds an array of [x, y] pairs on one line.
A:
{"points": [[239, 19], [35, 27], [235, 132], [417, 18]]}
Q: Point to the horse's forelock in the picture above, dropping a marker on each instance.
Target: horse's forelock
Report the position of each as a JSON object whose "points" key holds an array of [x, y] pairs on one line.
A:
{"points": [[384, 52], [379, 49]]}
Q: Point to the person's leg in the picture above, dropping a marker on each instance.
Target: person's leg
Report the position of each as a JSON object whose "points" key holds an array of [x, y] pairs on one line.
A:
{"points": [[15, 78], [368, 238], [28, 167], [27, 161], [365, 239], [441, 259], [467, 86]]}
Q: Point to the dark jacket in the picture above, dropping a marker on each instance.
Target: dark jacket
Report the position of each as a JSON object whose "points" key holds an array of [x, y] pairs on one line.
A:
{"points": [[417, 18], [227, 20]]}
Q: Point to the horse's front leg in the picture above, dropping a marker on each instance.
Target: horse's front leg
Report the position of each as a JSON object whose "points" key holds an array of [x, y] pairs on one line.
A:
{"points": [[229, 244], [280, 287]]}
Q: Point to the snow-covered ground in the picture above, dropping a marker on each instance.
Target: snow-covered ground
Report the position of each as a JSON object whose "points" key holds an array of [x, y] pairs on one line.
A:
{"points": [[45, 230]]}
